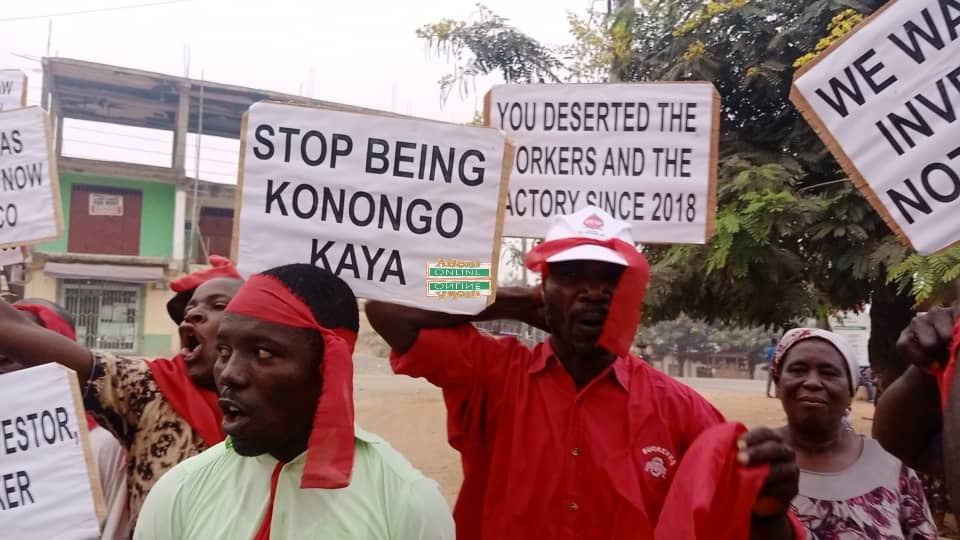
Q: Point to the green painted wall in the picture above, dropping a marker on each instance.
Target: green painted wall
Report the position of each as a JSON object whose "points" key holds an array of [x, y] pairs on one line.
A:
{"points": [[156, 223], [154, 345]]}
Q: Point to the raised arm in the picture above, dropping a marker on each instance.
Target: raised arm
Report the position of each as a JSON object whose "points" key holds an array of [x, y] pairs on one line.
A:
{"points": [[951, 443], [908, 418], [907, 421], [33, 345], [399, 325]]}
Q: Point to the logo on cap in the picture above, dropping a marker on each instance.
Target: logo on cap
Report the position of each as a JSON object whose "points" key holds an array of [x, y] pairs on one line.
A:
{"points": [[593, 222]]}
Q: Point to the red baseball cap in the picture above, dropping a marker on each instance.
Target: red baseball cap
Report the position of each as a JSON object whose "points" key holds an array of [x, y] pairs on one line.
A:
{"points": [[220, 267]]}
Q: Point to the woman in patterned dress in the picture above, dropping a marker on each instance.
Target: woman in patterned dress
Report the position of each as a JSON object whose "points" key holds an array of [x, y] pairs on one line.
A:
{"points": [[850, 488]]}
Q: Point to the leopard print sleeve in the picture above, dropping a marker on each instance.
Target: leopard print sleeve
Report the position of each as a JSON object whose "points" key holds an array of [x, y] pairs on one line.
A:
{"points": [[118, 391]]}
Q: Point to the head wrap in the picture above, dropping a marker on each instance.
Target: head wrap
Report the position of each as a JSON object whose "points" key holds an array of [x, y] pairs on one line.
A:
{"points": [[49, 319], [594, 235], [797, 335], [330, 449], [220, 267]]}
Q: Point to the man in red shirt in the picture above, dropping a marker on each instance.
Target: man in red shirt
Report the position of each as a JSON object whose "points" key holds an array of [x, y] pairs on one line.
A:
{"points": [[575, 438]]}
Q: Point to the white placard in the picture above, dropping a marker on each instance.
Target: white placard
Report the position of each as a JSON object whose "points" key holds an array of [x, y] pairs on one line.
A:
{"points": [[49, 486], [645, 153], [375, 200], [10, 255], [885, 101], [855, 327], [13, 95], [13, 89], [30, 210], [105, 204]]}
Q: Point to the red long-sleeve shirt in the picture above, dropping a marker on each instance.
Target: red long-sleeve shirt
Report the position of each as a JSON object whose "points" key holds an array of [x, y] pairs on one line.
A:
{"points": [[544, 460]]}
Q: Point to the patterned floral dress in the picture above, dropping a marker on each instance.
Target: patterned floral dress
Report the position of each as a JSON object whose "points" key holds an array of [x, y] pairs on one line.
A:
{"points": [[876, 498]]}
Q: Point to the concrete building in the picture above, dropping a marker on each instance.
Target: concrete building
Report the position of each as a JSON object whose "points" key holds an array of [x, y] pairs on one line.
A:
{"points": [[127, 226]]}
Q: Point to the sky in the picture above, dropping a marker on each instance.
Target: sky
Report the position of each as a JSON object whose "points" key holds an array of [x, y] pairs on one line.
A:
{"points": [[361, 52]]}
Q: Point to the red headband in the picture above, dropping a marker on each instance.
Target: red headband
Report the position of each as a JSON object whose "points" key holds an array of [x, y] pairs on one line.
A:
{"points": [[623, 317], [50, 319], [220, 267], [331, 445]]}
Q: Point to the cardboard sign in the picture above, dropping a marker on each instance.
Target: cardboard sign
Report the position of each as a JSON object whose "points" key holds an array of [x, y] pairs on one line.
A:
{"points": [[13, 95], [885, 101], [375, 200], [49, 486], [10, 256], [645, 153], [30, 210], [13, 89]]}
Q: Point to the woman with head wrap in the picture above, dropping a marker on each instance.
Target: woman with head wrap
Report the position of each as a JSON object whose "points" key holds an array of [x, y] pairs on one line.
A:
{"points": [[850, 487]]}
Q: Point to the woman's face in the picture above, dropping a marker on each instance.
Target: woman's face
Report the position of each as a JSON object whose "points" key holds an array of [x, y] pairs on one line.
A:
{"points": [[814, 386]]}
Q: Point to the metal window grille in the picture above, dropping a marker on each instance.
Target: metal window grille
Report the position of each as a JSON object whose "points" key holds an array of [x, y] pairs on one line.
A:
{"points": [[105, 313]]}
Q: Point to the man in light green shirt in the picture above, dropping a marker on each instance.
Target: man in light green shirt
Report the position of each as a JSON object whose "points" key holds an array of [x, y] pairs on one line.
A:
{"points": [[294, 465]]}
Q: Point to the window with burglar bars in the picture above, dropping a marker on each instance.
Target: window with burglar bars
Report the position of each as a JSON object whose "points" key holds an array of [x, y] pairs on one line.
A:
{"points": [[105, 312]]}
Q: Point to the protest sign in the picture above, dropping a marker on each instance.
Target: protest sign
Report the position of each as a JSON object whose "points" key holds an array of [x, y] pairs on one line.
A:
{"points": [[375, 200], [13, 95], [884, 100], [49, 486], [10, 256], [13, 89], [644, 152], [30, 210]]}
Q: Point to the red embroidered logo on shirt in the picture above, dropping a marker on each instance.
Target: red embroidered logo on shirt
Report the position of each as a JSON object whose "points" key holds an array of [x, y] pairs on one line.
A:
{"points": [[593, 222]]}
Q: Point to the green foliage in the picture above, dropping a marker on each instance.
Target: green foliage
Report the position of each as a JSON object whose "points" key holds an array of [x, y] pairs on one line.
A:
{"points": [[928, 277], [684, 337], [793, 238], [487, 45]]}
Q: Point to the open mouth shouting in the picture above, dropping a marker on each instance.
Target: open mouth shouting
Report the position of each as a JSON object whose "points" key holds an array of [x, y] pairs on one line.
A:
{"points": [[190, 343], [590, 321], [235, 415]]}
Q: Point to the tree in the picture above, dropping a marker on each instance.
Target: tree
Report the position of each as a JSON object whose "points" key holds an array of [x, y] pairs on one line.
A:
{"points": [[687, 338], [682, 337], [794, 239], [750, 341]]}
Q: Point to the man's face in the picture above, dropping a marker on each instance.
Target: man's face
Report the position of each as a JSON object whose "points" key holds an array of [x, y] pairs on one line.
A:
{"points": [[576, 296], [268, 376], [198, 331]]}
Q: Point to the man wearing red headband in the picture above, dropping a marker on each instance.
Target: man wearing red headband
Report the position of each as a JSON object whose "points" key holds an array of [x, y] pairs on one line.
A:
{"points": [[918, 416], [110, 457], [294, 465], [162, 411], [575, 438]]}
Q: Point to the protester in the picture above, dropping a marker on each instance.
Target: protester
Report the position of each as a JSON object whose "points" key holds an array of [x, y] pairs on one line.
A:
{"points": [[575, 438], [850, 487], [110, 457], [770, 351], [161, 411], [294, 465], [918, 417], [866, 380]]}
